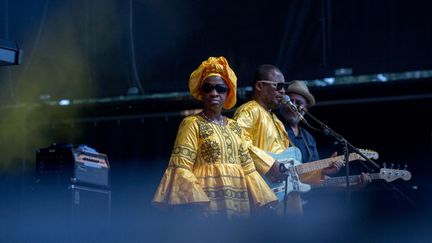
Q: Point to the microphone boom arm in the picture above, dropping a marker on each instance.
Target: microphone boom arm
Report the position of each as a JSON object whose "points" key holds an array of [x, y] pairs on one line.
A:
{"points": [[328, 131]]}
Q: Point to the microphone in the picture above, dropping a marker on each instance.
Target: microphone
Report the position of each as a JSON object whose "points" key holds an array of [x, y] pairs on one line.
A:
{"points": [[287, 101]]}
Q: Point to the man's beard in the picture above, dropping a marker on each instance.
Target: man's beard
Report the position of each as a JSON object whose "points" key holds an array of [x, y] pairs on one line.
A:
{"points": [[273, 105], [293, 119], [296, 119]]}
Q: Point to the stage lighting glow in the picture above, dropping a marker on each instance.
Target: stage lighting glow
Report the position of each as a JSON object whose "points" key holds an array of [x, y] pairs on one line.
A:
{"points": [[64, 102], [381, 77]]}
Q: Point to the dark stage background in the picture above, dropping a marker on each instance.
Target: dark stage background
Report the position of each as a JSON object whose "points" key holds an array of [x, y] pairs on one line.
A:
{"points": [[120, 64]]}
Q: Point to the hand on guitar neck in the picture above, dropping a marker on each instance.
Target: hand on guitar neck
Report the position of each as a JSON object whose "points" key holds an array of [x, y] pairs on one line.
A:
{"points": [[361, 181], [388, 175], [364, 179], [334, 166]]}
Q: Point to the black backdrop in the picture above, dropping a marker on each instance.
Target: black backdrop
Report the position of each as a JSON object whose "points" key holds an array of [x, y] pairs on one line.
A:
{"points": [[82, 49]]}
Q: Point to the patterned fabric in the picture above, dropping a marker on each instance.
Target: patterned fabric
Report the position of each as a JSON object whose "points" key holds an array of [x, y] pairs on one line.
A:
{"points": [[211, 165]]}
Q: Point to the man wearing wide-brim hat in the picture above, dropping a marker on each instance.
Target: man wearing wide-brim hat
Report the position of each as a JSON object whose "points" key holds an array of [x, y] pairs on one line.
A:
{"points": [[301, 97]]}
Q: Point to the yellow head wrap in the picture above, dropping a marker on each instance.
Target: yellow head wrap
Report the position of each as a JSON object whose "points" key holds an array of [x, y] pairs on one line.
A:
{"points": [[214, 66]]}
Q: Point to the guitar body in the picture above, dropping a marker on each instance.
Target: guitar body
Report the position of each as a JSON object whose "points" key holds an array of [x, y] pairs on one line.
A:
{"points": [[290, 157]]}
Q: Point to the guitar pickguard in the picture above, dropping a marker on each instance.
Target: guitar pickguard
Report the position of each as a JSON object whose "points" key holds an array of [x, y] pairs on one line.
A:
{"points": [[290, 158]]}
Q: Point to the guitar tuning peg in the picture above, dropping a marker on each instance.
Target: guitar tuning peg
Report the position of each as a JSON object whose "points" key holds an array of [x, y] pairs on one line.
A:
{"points": [[391, 166], [405, 167], [384, 165]]}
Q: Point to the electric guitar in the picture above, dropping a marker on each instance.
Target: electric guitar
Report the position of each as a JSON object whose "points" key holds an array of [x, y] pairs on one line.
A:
{"points": [[291, 157], [388, 175]]}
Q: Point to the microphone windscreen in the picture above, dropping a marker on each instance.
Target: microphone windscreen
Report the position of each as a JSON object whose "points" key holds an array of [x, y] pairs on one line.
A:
{"points": [[286, 99]]}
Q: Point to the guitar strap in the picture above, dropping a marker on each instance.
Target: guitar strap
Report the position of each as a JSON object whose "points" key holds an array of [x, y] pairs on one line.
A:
{"points": [[291, 142], [305, 143]]}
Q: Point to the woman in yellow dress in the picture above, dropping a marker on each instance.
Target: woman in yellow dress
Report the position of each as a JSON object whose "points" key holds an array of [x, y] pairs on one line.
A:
{"points": [[211, 165]]}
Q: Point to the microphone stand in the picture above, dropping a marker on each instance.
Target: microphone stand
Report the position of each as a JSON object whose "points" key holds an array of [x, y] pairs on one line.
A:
{"points": [[328, 131], [283, 170], [347, 146]]}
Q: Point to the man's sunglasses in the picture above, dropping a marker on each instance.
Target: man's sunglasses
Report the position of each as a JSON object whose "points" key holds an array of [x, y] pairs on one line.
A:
{"points": [[278, 85], [220, 88]]}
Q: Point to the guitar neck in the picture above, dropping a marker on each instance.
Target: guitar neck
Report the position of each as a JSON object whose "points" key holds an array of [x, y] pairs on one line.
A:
{"points": [[317, 165], [341, 180]]}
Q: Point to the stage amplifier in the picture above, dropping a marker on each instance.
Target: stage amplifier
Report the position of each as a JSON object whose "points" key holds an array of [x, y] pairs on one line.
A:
{"points": [[91, 168], [77, 163]]}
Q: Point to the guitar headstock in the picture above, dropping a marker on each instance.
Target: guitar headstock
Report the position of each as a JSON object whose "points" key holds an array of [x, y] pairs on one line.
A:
{"points": [[370, 154], [392, 174]]}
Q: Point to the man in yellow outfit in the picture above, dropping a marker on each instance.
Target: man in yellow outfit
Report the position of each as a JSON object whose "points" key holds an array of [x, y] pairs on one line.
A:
{"points": [[265, 131]]}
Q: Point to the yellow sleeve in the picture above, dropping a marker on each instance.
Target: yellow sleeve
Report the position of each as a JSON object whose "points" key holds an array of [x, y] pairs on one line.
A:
{"points": [[179, 185], [246, 121], [262, 160], [260, 193]]}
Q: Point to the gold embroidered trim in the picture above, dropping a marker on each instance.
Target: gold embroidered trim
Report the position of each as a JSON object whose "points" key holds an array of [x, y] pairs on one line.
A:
{"points": [[184, 152]]}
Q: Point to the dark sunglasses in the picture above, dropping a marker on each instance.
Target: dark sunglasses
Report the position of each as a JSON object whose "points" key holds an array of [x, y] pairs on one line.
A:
{"points": [[278, 85], [220, 88]]}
